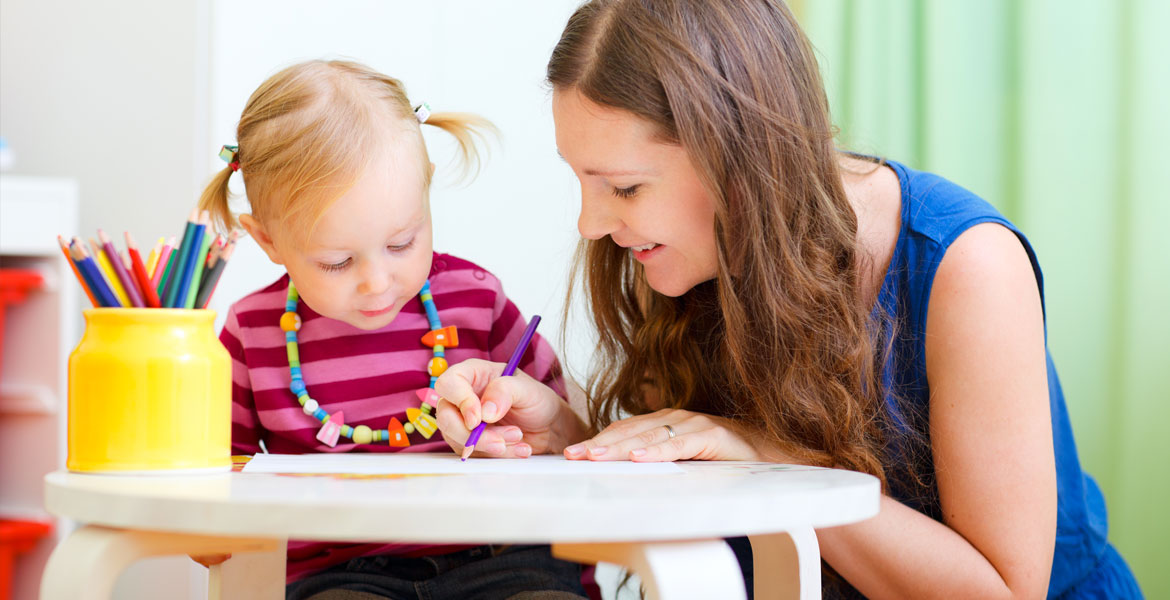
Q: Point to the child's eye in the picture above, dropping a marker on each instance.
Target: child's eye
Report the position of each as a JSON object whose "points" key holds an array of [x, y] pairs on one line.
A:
{"points": [[626, 192], [334, 266], [402, 247]]}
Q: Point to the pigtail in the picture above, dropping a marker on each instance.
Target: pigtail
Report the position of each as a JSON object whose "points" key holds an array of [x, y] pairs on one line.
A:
{"points": [[215, 200], [469, 131]]}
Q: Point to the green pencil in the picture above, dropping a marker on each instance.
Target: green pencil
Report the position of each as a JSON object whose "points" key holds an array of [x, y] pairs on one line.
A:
{"points": [[200, 262]]}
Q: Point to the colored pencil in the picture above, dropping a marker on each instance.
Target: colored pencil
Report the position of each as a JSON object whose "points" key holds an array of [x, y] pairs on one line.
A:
{"points": [[85, 285], [152, 258], [107, 271], [164, 262], [200, 262], [150, 297], [211, 279], [89, 268], [509, 369], [186, 269], [120, 271], [174, 273]]}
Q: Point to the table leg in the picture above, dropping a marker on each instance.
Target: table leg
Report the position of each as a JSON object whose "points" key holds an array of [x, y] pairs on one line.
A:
{"points": [[250, 575], [787, 565], [85, 565], [669, 570]]}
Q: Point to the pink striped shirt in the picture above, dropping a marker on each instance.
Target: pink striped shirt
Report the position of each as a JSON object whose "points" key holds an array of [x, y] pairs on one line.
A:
{"points": [[370, 375]]}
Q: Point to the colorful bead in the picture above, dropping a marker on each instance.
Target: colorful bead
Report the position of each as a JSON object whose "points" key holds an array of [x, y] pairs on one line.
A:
{"points": [[447, 336], [437, 366], [331, 429], [428, 396], [418, 419], [290, 321], [396, 434], [424, 423]]}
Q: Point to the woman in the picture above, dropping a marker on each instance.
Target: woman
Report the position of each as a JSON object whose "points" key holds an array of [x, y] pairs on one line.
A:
{"points": [[761, 295]]}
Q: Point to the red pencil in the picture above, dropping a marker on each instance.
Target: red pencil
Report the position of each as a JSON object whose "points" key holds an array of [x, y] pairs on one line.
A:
{"points": [[139, 269]]}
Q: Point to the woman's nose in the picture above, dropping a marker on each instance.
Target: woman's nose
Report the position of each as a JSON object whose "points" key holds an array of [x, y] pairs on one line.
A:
{"points": [[597, 219]]}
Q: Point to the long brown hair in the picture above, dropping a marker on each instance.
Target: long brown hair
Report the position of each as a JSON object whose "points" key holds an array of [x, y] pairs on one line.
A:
{"points": [[780, 340]]}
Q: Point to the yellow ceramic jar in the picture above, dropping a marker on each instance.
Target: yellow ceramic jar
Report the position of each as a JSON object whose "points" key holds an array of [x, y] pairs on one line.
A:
{"points": [[149, 391]]}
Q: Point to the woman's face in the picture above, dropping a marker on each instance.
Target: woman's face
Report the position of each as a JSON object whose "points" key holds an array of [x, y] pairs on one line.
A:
{"points": [[640, 192]]}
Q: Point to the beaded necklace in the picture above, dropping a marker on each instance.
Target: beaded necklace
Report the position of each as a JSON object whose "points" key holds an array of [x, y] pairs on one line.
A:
{"points": [[333, 425]]}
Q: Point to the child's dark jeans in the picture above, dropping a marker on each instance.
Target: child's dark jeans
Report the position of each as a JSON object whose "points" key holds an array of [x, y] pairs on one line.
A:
{"points": [[512, 572]]}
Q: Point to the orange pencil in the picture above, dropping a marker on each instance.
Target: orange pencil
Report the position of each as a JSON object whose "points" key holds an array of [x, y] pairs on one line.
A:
{"points": [[139, 270], [76, 273]]}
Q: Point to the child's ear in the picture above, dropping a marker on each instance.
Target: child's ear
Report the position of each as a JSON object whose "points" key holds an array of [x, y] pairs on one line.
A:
{"points": [[258, 233]]}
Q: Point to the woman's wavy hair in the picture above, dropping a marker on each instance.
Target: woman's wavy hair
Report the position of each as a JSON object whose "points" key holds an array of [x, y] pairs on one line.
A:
{"points": [[780, 340]]}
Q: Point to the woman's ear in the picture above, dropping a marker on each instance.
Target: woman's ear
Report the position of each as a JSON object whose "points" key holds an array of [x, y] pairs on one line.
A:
{"points": [[258, 233]]}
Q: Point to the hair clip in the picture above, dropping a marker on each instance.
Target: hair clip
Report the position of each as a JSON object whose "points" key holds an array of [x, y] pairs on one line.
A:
{"points": [[230, 155], [422, 112]]}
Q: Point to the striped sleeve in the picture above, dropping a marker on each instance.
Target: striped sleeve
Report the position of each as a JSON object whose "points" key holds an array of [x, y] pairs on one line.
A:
{"points": [[245, 422], [539, 361]]}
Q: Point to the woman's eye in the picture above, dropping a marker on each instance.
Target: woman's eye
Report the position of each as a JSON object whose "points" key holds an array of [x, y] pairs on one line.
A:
{"points": [[334, 266], [626, 192]]}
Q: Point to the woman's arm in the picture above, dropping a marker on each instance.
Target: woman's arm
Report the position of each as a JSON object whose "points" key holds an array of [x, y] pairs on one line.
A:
{"points": [[991, 437]]}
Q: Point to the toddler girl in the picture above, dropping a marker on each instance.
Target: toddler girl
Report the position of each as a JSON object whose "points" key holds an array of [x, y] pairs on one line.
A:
{"points": [[341, 354]]}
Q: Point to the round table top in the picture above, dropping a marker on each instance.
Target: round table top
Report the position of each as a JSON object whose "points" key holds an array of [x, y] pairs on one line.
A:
{"points": [[710, 499]]}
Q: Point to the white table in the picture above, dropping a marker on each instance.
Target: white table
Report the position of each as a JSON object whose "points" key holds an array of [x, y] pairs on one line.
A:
{"points": [[665, 528]]}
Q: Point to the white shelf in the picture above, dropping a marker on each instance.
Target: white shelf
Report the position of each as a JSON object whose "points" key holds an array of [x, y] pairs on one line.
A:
{"points": [[39, 333]]}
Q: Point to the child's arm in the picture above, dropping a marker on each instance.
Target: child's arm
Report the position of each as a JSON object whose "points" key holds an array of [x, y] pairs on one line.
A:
{"points": [[991, 437], [245, 422]]}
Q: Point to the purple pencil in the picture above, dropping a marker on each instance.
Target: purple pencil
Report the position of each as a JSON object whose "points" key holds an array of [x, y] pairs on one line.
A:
{"points": [[120, 270], [509, 369]]}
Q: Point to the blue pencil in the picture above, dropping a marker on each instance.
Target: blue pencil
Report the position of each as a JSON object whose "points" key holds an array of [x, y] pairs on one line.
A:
{"points": [[89, 271], [171, 288], [188, 271]]}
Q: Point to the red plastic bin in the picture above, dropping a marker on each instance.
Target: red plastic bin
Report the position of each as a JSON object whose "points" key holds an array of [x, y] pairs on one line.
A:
{"points": [[15, 284], [16, 537]]}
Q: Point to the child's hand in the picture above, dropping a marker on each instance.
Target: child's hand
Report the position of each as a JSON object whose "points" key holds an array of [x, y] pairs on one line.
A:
{"points": [[670, 434], [524, 416]]}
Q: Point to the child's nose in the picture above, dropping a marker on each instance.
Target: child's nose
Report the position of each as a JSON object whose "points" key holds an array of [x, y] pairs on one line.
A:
{"points": [[596, 219], [375, 280]]}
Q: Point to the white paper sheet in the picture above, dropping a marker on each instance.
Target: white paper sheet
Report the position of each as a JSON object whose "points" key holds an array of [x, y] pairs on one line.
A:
{"points": [[443, 463]]}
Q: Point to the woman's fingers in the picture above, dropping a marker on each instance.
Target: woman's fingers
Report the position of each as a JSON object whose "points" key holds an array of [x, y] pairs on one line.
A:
{"points": [[617, 440], [498, 441], [666, 435]]}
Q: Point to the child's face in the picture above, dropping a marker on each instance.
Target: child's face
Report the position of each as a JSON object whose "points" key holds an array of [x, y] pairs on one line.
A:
{"points": [[644, 194], [370, 252]]}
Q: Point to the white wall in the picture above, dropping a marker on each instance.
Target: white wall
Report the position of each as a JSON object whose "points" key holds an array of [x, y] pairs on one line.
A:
{"points": [[518, 218]]}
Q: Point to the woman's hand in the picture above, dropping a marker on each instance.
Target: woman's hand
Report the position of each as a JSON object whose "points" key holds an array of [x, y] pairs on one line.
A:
{"points": [[647, 438], [524, 416]]}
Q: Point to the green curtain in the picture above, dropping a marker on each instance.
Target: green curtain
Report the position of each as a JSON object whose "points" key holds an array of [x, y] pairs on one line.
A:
{"points": [[1059, 114]]}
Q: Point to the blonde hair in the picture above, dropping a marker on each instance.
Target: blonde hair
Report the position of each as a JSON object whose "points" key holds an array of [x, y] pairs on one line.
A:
{"points": [[308, 132]]}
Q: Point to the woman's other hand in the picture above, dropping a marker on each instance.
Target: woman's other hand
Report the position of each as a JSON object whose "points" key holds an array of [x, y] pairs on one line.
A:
{"points": [[648, 438]]}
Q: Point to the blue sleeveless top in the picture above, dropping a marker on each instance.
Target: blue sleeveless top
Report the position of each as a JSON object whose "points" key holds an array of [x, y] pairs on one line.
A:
{"points": [[934, 213]]}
